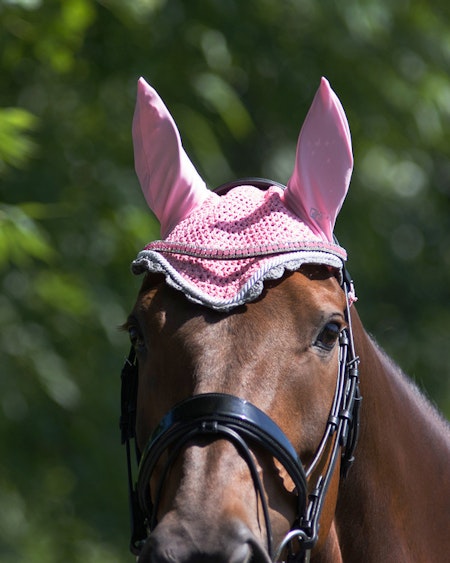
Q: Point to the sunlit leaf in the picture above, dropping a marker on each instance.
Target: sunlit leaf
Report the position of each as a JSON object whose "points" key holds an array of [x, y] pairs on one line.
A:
{"points": [[226, 102], [16, 143], [62, 292], [21, 238]]}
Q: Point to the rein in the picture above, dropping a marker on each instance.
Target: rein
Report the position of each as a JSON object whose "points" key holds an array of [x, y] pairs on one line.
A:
{"points": [[214, 416]]}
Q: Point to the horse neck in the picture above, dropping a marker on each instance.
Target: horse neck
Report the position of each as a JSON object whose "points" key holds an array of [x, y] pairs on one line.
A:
{"points": [[394, 505]]}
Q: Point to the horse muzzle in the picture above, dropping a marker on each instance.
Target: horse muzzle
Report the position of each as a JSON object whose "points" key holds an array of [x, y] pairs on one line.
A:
{"points": [[175, 540]]}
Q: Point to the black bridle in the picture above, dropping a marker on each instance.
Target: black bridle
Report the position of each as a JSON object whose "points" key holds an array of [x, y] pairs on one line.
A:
{"points": [[213, 416]]}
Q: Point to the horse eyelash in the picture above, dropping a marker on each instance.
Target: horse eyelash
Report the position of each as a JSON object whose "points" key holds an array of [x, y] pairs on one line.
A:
{"points": [[129, 324]]}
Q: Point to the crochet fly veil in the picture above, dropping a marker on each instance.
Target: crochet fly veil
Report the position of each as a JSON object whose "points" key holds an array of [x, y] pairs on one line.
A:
{"points": [[219, 250]]}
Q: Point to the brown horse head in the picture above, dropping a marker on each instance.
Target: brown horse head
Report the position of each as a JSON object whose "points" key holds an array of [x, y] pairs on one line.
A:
{"points": [[242, 387], [279, 353]]}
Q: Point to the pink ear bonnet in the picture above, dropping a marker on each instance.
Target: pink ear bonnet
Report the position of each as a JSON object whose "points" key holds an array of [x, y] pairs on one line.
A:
{"points": [[218, 250]]}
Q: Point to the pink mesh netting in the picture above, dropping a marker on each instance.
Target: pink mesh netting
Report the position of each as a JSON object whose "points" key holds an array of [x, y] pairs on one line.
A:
{"points": [[221, 253]]}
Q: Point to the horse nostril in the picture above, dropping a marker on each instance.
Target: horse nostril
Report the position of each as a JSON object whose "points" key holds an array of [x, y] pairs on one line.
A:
{"points": [[249, 552], [242, 554]]}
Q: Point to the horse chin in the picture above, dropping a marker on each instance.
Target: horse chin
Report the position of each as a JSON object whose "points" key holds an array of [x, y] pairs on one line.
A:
{"points": [[176, 541]]}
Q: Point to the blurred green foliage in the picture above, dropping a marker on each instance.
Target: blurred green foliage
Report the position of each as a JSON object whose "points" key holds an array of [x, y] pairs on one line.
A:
{"points": [[239, 78]]}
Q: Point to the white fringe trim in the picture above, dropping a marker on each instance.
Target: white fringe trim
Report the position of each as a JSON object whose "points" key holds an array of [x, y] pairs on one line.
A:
{"points": [[152, 261]]}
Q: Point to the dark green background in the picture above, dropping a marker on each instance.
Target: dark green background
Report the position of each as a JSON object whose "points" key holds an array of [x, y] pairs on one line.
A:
{"points": [[239, 77]]}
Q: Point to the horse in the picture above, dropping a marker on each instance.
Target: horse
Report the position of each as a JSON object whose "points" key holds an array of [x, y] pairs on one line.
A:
{"points": [[268, 425]]}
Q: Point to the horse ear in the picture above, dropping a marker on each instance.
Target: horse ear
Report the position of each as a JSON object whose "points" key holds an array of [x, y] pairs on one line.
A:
{"points": [[323, 165], [171, 185]]}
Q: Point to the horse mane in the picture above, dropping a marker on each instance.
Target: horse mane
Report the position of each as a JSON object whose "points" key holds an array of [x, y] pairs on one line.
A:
{"points": [[404, 445], [417, 396]]}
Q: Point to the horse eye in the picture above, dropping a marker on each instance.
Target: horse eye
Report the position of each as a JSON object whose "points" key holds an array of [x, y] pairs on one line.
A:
{"points": [[136, 338], [329, 336]]}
